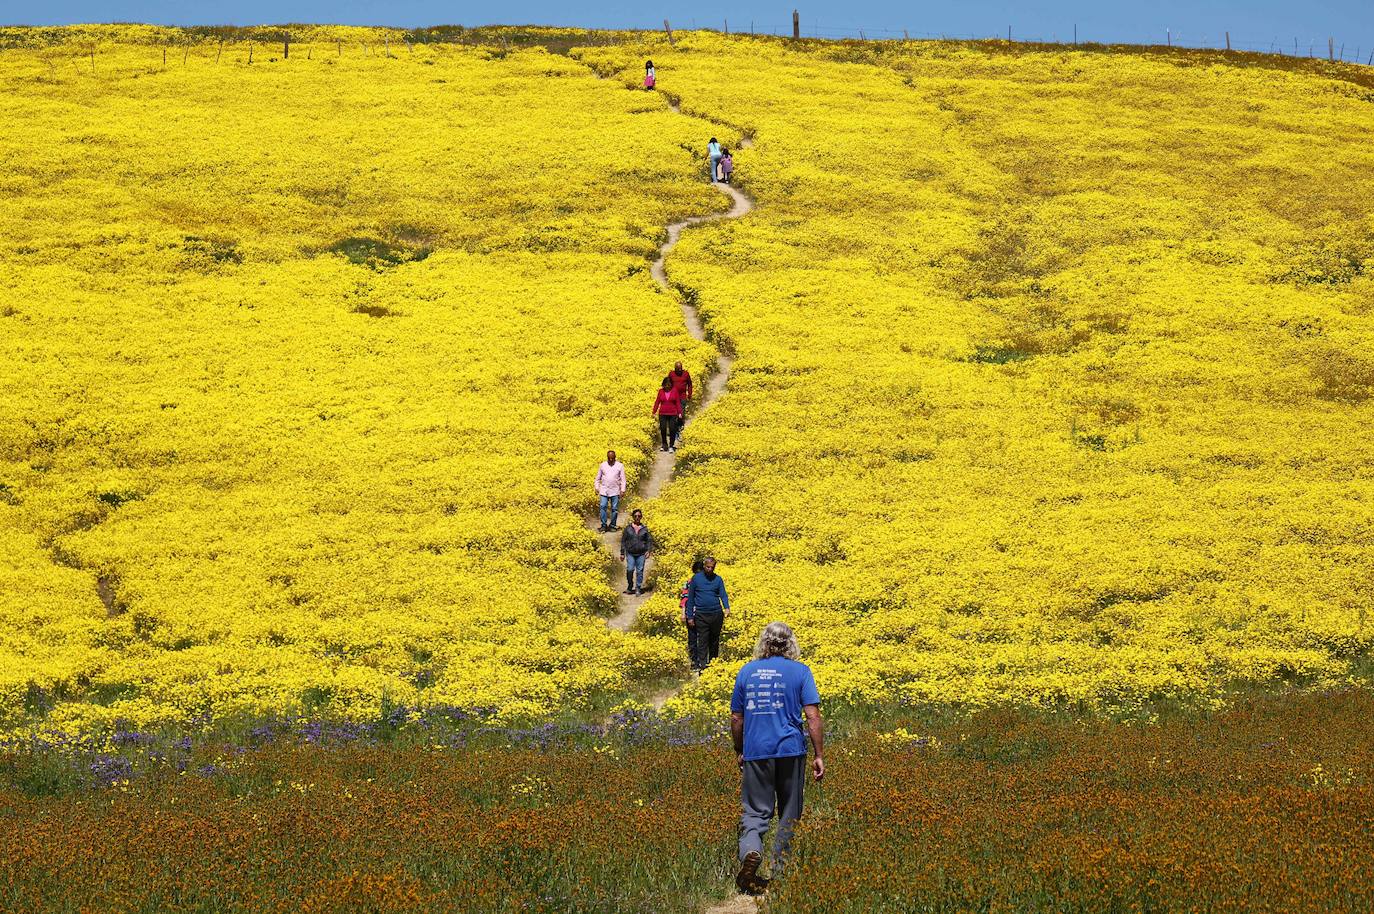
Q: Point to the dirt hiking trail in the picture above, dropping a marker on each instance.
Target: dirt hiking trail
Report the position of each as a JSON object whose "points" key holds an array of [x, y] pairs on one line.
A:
{"points": [[664, 462], [661, 470]]}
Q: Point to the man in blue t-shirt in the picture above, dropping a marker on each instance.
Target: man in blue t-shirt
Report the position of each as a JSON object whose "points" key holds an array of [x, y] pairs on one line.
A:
{"points": [[773, 692]]}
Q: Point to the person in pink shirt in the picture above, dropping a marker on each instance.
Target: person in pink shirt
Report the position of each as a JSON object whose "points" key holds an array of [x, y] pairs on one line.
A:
{"points": [[610, 485], [668, 408]]}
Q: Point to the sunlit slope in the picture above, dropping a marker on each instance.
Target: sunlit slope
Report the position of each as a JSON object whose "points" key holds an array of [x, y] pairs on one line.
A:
{"points": [[306, 367], [1052, 386], [1054, 370]]}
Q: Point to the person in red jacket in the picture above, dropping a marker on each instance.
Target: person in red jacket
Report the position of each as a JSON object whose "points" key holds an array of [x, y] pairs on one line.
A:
{"points": [[668, 408], [682, 383]]}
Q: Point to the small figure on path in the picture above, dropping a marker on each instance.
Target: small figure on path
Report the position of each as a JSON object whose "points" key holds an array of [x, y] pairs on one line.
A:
{"points": [[650, 76], [668, 408], [773, 692], [713, 157], [682, 382], [636, 544], [610, 485], [727, 166], [682, 605], [707, 607]]}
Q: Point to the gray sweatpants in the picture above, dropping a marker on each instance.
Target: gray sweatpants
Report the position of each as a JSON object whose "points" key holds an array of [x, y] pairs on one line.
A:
{"points": [[770, 783]]}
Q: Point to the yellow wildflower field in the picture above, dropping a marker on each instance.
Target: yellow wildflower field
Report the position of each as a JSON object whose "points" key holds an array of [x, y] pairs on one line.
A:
{"points": [[1052, 384], [1054, 370], [307, 369]]}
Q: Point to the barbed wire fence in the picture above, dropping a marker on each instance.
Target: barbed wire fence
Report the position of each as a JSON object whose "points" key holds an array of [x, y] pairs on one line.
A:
{"points": [[1326, 47]]}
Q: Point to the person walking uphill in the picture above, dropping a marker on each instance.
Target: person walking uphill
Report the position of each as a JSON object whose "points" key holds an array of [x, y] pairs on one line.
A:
{"points": [[650, 75], [610, 485], [668, 408], [773, 693], [713, 157], [706, 609], [636, 543]]}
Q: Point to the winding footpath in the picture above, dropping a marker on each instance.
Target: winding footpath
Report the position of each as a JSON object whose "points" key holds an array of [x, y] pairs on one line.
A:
{"points": [[661, 471], [627, 608]]}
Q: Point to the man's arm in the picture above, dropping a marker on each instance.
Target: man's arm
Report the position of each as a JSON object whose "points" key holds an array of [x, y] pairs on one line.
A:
{"points": [[622, 542], [817, 731], [689, 611], [737, 735], [724, 598]]}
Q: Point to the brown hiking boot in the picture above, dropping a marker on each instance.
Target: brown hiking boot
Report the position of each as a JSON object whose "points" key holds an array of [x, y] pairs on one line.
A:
{"points": [[749, 882]]}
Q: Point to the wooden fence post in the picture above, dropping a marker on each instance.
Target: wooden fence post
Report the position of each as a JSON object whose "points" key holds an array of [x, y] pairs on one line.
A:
{"points": [[1169, 38], [220, 51], [286, 47], [727, 26], [1331, 49], [250, 52], [186, 52], [862, 36], [905, 36], [669, 30], [1075, 34], [1228, 41], [164, 57], [796, 24], [1008, 34]]}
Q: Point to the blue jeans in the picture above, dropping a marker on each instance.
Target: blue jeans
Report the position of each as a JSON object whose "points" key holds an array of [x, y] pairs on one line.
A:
{"points": [[715, 163], [634, 570], [613, 501]]}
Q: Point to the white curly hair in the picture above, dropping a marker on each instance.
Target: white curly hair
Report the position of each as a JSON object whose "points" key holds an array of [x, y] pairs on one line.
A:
{"points": [[777, 640]]}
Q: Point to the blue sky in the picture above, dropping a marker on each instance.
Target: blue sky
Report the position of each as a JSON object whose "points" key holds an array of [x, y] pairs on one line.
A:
{"points": [[1256, 24]]}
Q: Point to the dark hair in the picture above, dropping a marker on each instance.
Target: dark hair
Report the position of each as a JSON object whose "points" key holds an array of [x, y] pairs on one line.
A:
{"points": [[725, 152], [648, 64], [698, 565], [714, 140], [668, 381]]}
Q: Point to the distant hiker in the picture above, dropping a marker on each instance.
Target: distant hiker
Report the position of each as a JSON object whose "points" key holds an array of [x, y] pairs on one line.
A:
{"points": [[682, 605], [650, 77], [610, 485], [668, 408], [727, 166], [682, 383], [707, 607], [713, 156], [636, 543], [772, 694]]}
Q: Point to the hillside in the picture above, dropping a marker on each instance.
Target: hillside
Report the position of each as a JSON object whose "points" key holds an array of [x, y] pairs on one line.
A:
{"points": [[1052, 380]]}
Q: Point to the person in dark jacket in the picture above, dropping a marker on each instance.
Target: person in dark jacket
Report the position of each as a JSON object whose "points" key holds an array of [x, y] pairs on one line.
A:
{"points": [[707, 607], [636, 543]]}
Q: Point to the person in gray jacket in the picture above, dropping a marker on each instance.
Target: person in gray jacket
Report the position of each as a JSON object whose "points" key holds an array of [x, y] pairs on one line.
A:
{"points": [[636, 544]]}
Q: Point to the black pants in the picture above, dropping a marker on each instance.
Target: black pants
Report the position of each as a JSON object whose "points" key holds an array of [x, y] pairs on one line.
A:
{"points": [[706, 639], [668, 427]]}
